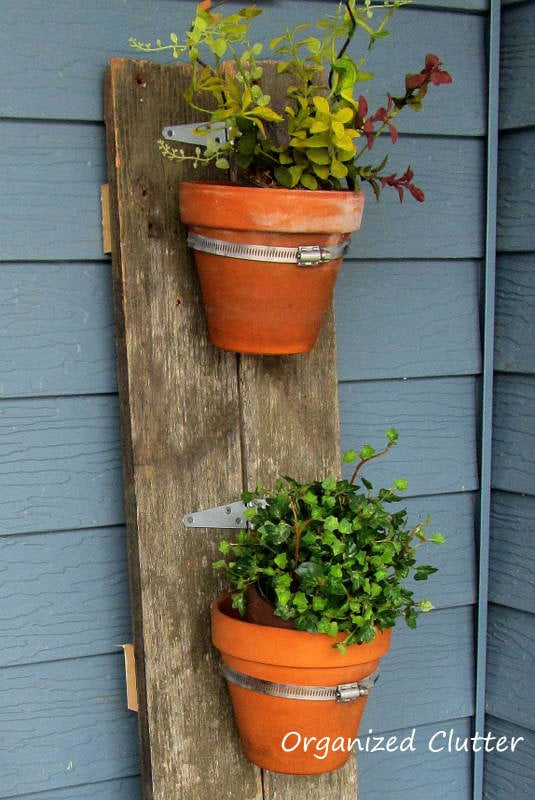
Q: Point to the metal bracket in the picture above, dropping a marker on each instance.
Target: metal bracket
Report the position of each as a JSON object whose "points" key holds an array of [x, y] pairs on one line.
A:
{"points": [[195, 133], [228, 516]]}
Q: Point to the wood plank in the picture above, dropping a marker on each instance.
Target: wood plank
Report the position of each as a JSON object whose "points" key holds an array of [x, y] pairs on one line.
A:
{"points": [[510, 774], [65, 723], [418, 774], [510, 659], [428, 673], [515, 313], [435, 418], [512, 551], [57, 321], [63, 595], [516, 176], [513, 466], [60, 464], [54, 82], [517, 62], [49, 202], [434, 303], [290, 426], [181, 447]]}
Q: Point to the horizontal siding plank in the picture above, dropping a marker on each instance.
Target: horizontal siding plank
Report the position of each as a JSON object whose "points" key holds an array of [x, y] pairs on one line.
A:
{"points": [[436, 421], [60, 183], [453, 515], [513, 463], [516, 182], [65, 722], [510, 660], [428, 674], [119, 789], [517, 67], [49, 198], [60, 464], [451, 173], [56, 329], [434, 303], [418, 774], [510, 774], [515, 313], [512, 551], [63, 80], [63, 595]]}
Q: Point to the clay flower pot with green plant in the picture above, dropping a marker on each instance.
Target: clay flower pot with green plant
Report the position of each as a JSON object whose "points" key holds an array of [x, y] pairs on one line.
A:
{"points": [[270, 239], [318, 580]]}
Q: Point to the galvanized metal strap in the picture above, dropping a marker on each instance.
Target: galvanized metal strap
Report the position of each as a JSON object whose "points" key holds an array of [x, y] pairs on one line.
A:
{"points": [[343, 693], [303, 256]]}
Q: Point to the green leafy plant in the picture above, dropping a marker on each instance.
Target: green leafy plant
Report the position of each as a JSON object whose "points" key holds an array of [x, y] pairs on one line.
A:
{"points": [[329, 554], [320, 135]]}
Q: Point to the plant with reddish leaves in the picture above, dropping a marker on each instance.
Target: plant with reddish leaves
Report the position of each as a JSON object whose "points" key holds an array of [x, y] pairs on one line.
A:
{"points": [[317, 137]]}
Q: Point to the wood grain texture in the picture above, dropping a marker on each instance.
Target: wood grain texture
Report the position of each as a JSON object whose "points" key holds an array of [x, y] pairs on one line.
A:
{"points": [[59, 182], [290, 426], [516, 204], [435, 418], [56, 334], [517, 65], [436, 660], [435, 304], [510, 774], [513, 466], [60, 464], [181, 447], [64, 723], [515, 313], [418, 774], [510, 660], [512, 551], [63, 595], [62, 79]]}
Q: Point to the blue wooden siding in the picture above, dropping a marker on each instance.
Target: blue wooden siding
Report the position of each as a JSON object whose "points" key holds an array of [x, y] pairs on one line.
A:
{"points": [[409, 356], [511, 629]]}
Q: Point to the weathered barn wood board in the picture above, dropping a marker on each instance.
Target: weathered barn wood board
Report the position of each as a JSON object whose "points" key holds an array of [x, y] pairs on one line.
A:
{"points": [[183, 420], [181, 446]]}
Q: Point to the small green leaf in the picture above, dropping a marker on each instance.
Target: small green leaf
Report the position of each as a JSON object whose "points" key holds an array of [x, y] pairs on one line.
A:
{"points": [[426, 605]]}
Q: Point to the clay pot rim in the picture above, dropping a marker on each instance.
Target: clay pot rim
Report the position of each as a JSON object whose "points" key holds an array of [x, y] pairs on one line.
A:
{"points": [[235, 207], [285, 646]]}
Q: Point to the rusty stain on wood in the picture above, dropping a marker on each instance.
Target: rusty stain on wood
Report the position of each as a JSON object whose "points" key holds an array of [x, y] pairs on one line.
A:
{"points": [[194, 421]]}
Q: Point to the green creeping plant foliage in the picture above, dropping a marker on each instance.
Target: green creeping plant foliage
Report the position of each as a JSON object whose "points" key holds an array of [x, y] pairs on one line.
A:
{"points": [[318, 135], [331, 555]]}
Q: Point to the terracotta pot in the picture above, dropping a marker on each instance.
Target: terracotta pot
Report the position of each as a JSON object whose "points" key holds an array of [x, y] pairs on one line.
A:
{"points": [[258, 306], [274, 730]]}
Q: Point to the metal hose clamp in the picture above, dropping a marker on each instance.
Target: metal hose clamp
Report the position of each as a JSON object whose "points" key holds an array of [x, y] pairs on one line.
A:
{"points": [[343, 693], [303, 256]]}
